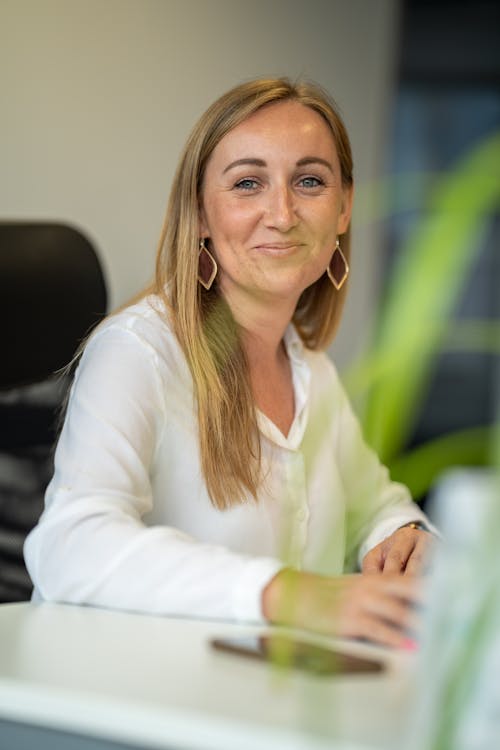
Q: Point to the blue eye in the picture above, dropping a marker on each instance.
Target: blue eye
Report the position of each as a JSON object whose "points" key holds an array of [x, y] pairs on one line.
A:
{"points": [[246, 184], [310, 182]]}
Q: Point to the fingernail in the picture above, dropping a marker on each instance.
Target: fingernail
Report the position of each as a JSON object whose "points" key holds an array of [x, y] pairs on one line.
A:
{"points": [[409, 644]]}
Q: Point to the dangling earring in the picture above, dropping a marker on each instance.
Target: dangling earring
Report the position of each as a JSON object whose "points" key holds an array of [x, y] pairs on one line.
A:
{"points": [[338, 268], [207, 267]]}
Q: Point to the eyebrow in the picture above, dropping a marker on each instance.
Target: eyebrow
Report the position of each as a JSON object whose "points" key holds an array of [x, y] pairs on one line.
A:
{"points": [[261, 163], [314, 160], [240, 162]]}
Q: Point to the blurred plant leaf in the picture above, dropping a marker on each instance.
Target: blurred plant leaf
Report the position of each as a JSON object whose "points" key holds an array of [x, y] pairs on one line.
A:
{"points": [[419, 468], [465, 336], [429, 275]]}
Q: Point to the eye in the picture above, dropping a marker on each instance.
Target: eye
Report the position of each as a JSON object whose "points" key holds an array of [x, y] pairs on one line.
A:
{"points": [[310, 182], [246, 184]]}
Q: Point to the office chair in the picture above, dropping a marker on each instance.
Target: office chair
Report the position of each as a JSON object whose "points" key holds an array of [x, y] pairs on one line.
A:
{"points": [[52, 292]]}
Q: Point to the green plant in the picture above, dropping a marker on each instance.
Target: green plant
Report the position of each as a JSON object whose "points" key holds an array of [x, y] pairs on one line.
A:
{"points": [[414, 322]]}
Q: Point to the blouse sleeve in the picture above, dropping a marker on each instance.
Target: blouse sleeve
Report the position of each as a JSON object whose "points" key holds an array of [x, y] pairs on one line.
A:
{"points": [[91, 545], [376, 506]]}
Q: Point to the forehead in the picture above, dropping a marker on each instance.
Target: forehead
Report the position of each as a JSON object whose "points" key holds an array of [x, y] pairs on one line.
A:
{"points": [[279, 127]]}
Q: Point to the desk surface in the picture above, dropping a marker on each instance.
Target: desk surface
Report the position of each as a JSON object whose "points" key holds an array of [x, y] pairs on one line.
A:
{"points": [[155, 682]]}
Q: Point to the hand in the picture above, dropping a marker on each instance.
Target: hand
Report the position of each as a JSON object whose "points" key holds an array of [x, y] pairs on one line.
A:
{"points": [[378, 608], [406, 551]]}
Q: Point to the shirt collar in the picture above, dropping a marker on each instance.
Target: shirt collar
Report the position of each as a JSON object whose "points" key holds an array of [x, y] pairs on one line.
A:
{"points": [[294, 345], [301, 378]]}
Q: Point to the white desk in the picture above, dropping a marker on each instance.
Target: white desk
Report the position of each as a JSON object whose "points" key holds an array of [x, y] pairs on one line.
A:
{"points": [[156, 683]]}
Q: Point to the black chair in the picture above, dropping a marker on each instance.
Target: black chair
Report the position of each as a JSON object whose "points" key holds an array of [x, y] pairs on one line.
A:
{"points": [[52, 293]]}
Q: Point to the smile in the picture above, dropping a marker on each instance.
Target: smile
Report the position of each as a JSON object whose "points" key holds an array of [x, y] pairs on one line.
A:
{"points": [[278, 249]]}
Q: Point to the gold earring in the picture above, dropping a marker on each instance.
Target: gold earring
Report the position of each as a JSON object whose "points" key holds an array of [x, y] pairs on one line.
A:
{"points": [[338, 268], [207, 266]]}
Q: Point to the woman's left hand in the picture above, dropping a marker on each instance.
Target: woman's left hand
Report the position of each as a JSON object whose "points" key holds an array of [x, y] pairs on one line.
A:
{"points": [[406, 551]]}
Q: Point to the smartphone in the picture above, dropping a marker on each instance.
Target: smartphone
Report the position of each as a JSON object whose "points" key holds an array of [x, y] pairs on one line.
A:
{"points": [[289, 652]]}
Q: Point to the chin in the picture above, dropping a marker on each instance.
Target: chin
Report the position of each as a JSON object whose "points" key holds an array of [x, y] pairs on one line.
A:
{"points": [[290, 288]]}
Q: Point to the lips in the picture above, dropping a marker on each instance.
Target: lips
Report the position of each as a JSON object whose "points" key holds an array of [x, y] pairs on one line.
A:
{"points": [[278, 245], [278, 248]]}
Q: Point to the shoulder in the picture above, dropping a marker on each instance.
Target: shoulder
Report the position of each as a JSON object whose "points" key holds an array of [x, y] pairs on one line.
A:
{"points": [[144, 327], [322, 369], [322, 366], [135, 351], [146, 319], [327, 393], [318, 374]]}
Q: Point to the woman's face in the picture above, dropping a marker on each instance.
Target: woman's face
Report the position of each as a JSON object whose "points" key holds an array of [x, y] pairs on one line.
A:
{"points": [[273, 203]]}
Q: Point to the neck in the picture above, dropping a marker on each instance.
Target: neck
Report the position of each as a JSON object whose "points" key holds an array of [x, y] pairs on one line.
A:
{"points": [[263, 326]]}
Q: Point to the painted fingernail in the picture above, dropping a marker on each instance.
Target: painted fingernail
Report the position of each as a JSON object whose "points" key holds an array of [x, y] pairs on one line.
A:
{"points": [[409, 644]]}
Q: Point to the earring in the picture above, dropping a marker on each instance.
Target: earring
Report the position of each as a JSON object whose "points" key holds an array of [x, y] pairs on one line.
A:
{"points": [[207, 267], [338, 268]]}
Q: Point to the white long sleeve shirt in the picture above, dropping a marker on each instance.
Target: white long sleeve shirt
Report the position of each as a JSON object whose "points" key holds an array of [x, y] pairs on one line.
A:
{"points": [[128, 523]]}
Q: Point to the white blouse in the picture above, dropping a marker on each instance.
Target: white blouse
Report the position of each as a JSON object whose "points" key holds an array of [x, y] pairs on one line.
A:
{"points": [[128, 523]]}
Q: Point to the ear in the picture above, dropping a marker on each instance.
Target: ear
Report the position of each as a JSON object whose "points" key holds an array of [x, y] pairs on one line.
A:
{"points": [[345, 209]]}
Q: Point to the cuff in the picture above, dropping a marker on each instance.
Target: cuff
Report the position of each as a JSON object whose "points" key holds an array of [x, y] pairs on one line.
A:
{"points": [[247, 595], [384, 529]]}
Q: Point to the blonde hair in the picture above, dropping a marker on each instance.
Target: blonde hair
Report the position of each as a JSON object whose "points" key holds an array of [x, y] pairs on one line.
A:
{"points": [[202, 321]]}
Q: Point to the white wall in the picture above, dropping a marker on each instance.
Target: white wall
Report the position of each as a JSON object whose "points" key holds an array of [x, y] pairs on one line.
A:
{"points": [[97, 97]]}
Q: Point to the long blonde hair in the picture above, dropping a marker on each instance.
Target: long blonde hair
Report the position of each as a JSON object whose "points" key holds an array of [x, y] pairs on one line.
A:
{"points": [[203, 323]]}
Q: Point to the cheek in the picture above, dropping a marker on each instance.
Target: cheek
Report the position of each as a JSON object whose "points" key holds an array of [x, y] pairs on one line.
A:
{"points": [[324, 216], [326, 232], [228, 220]]}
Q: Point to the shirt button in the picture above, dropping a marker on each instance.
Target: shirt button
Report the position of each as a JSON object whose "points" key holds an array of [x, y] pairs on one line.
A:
{"points": [[301, 514]]}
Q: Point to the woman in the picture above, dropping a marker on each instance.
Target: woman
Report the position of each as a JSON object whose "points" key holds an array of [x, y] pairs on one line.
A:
{"points": [[210, 464]]}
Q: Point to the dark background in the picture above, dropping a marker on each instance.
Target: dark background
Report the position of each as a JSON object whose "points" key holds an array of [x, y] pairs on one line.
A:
{"points": [[447, 101]]}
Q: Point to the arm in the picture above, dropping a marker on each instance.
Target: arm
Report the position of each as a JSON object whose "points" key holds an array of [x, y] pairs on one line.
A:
{"points": [[91, 545], [378, 510], [376, 608]]}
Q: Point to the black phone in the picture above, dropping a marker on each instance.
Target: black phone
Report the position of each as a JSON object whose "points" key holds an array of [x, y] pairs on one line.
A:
{"points": [[285, 651]]}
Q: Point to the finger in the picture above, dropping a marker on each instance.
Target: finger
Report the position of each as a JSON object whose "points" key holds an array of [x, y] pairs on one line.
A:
{"points": [[378, 631], [373, 561], [407, 588], [398, 555], [417, 562], [393, 611]]}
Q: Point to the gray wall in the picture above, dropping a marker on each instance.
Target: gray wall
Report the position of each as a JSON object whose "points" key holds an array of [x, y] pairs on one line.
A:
{"points": [[98, 97]]}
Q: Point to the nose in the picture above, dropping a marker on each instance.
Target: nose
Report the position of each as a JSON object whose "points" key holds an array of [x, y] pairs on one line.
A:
{"points": [[281, 210]]}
